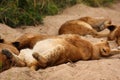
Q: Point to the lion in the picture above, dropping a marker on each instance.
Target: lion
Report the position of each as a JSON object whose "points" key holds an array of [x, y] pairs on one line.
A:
{"points": [[55, 51], [114, 33], [85, 26], [28, 40], [6, 61]]}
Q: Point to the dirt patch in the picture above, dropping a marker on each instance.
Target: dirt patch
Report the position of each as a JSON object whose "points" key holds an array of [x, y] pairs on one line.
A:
{"points": [[103, 69], [8, 33]]}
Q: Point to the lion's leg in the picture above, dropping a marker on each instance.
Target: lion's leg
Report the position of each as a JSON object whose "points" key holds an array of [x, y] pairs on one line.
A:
{"points": [[96, 34], [14, 58], [41, 60], [18, 61], [34, 67], [114, 51], [92, 32], [100, 34]]}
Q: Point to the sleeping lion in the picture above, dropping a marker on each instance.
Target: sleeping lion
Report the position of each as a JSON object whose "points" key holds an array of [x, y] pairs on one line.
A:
{"points": [[85, 26], [54, 51]]}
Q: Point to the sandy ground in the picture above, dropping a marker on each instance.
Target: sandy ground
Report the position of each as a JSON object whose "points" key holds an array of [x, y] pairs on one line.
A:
{"points": [[103, 69]]}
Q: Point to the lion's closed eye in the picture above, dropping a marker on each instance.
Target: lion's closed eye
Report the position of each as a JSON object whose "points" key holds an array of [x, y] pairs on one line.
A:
{"points": [[105, 52]]}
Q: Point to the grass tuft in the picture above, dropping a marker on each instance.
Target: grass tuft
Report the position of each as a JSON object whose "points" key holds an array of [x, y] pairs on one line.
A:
{"points": [[30, 12]]}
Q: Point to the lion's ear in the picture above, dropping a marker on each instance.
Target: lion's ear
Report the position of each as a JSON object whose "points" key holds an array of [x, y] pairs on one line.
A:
{"points": [[111, 27], [16, 44], [2, 41]]}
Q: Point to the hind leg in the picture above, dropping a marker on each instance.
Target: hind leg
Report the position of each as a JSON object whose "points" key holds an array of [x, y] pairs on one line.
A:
{"points": [[41, 60]]}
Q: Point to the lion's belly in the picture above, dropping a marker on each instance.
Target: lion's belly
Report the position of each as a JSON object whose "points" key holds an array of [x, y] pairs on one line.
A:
{"points": [[43, 47], [26, 56]]}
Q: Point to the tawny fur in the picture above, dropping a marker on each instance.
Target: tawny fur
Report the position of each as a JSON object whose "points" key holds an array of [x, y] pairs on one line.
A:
{"points": [[85, 26], [60, 50]]}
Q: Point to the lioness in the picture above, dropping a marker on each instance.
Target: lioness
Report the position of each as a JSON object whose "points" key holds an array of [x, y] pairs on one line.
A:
{"points": [[85, 26], [54, 51]]}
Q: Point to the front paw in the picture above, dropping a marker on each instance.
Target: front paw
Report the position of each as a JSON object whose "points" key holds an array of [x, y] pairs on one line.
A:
{"points": [[7, 53]]}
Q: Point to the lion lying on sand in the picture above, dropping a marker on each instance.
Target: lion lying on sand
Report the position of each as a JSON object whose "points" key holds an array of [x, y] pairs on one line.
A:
{"points": [[85, 26], [54, 51]]}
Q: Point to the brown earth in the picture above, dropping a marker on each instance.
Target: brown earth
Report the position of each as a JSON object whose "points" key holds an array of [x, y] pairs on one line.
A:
{"points": [[103, 69]]}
